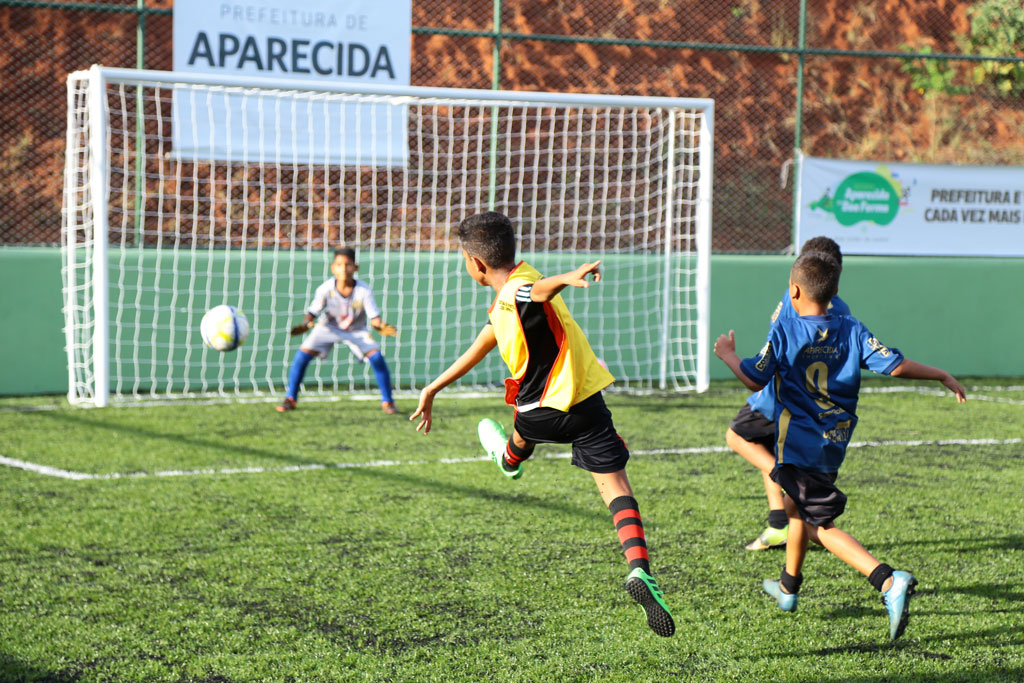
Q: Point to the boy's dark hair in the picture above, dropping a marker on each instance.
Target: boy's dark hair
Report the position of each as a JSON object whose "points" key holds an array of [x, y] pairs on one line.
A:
{"points": [[346, 251], [490, 237], [825, 245], [817, 274]]}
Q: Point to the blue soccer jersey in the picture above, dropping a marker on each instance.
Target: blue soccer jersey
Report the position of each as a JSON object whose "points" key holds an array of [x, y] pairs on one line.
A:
{"points": [[764, 401], [812, 364]]}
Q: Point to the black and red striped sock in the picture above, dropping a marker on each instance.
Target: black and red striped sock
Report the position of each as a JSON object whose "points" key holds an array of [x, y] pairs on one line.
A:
{"points": [[629, 526], [514, 455]]}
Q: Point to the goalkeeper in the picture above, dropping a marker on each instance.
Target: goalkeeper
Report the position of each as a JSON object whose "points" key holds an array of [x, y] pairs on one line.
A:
{"points": [[347, 304]]}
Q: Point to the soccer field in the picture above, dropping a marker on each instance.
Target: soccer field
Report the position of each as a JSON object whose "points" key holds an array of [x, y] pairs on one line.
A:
{"points": [[227, 542]]}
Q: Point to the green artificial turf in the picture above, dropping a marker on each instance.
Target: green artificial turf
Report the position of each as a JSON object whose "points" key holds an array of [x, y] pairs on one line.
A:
{"points": [[223, 552]]}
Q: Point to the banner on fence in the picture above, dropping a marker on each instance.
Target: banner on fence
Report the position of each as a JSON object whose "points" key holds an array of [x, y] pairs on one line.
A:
{"points": [[352, 41], [912, 209]]}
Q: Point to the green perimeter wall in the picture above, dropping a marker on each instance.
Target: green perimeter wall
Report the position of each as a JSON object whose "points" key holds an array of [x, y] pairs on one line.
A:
{"points": [[963, 314]]}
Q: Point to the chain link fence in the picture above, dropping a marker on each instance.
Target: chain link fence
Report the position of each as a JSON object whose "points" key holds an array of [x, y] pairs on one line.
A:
{"points": [[937, 82]]}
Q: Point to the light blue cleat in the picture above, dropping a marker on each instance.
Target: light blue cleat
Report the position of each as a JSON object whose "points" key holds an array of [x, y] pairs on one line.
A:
{"points": [[897, 602], [787, 601], [492, 437]]}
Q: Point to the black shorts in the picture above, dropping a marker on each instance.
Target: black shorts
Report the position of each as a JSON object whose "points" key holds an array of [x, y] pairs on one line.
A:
{"points": [[596, 447], [754, 427], [814, 493]]}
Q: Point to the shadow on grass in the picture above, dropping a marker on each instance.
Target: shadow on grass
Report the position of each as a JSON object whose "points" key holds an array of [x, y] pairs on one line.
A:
{"points": [[968, 544], [511, 497], [994, 591], [515, 500], [991, 673], [13, 669], [216, 445], [912, 646]]}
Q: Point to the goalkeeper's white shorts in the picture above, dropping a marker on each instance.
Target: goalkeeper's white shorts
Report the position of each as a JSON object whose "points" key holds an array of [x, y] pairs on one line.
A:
{"points": [[323, 338]]}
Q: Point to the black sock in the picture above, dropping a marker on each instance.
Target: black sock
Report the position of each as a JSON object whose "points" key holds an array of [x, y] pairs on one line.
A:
{"points": [[879, 574], [777, 519], [791, 584], [514, 455]]}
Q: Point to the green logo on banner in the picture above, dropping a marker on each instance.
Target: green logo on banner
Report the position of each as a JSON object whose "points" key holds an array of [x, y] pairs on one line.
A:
{"points": [[863, 196]]}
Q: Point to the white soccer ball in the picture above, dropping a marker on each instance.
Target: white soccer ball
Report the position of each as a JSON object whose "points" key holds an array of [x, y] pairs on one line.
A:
{"points": [[224, 328]]}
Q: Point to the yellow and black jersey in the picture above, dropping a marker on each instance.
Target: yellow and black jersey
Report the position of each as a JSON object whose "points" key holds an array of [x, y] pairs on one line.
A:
{"points": [[547, 353]]}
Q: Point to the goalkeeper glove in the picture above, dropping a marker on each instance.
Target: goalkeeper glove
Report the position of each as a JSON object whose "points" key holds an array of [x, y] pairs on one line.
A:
{"points": [[387, 330], [301, 328]]}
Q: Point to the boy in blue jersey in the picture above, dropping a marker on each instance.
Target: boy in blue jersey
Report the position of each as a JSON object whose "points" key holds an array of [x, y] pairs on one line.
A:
{"points": [[752, 432], [814, 361]]}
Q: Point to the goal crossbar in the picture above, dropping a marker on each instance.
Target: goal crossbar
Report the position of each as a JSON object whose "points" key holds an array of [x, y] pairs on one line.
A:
{"points": [[143, 77]]}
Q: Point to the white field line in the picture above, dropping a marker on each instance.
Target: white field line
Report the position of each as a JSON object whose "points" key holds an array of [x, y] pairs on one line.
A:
{"points": [[994, 399], [247, 399], [80, 476]]}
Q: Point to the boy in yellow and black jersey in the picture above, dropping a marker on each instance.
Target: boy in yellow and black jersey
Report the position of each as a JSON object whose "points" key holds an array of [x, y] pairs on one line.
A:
{"points": [[555, 387]]}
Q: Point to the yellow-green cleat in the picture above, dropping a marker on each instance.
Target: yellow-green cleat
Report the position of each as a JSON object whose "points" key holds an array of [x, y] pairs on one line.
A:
{"points": [[769, 538]]}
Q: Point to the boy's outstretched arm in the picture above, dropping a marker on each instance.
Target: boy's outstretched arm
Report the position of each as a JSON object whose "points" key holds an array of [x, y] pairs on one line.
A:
{"points": [[306, 324], [481, 346], [548, 288], [385, 329], [910, 369], [725, 348]]}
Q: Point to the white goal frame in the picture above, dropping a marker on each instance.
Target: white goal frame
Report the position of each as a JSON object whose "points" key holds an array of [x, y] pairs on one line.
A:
{"points": [[683, 198]]}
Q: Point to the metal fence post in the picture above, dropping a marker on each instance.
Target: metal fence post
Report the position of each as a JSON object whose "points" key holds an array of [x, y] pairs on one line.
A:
{"points": [[140, 63], [495, 85], [798, 132]]}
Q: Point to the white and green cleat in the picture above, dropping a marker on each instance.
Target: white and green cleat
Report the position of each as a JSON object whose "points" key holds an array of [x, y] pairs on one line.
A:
{"points": [[492, 437]]}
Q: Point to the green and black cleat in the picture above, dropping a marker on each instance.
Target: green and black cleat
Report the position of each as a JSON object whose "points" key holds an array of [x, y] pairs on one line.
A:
{"points": [[642, 587]]}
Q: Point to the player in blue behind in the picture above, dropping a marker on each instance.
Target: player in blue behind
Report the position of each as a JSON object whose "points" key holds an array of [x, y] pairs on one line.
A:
{"points": [[752, 432], [814, 361], [345, 306]]}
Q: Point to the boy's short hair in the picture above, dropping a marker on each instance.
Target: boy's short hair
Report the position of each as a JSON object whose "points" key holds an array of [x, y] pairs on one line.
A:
{"points": [[817, 273], [346, 251], [490, 237], [825, 245]]}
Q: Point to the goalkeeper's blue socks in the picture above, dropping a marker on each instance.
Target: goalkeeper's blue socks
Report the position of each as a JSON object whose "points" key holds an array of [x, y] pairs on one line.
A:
{"points": [[297, 372], [380, 368]]}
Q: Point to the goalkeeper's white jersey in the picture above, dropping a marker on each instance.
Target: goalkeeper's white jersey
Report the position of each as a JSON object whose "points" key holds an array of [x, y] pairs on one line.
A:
{"points": [[344, 312]]}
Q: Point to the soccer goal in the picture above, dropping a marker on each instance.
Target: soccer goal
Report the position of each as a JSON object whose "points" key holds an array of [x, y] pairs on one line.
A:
{"points": [[184, 191]]}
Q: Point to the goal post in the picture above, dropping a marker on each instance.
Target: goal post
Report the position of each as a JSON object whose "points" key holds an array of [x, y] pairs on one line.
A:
{"points": [[184, 191]]}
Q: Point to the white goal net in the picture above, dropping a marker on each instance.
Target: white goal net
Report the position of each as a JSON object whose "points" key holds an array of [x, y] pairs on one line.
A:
{"points": [[182, 192]]}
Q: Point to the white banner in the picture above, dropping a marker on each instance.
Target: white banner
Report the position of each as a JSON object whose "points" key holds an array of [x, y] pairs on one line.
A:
{"points": [[912, 209], [352, 41]]}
